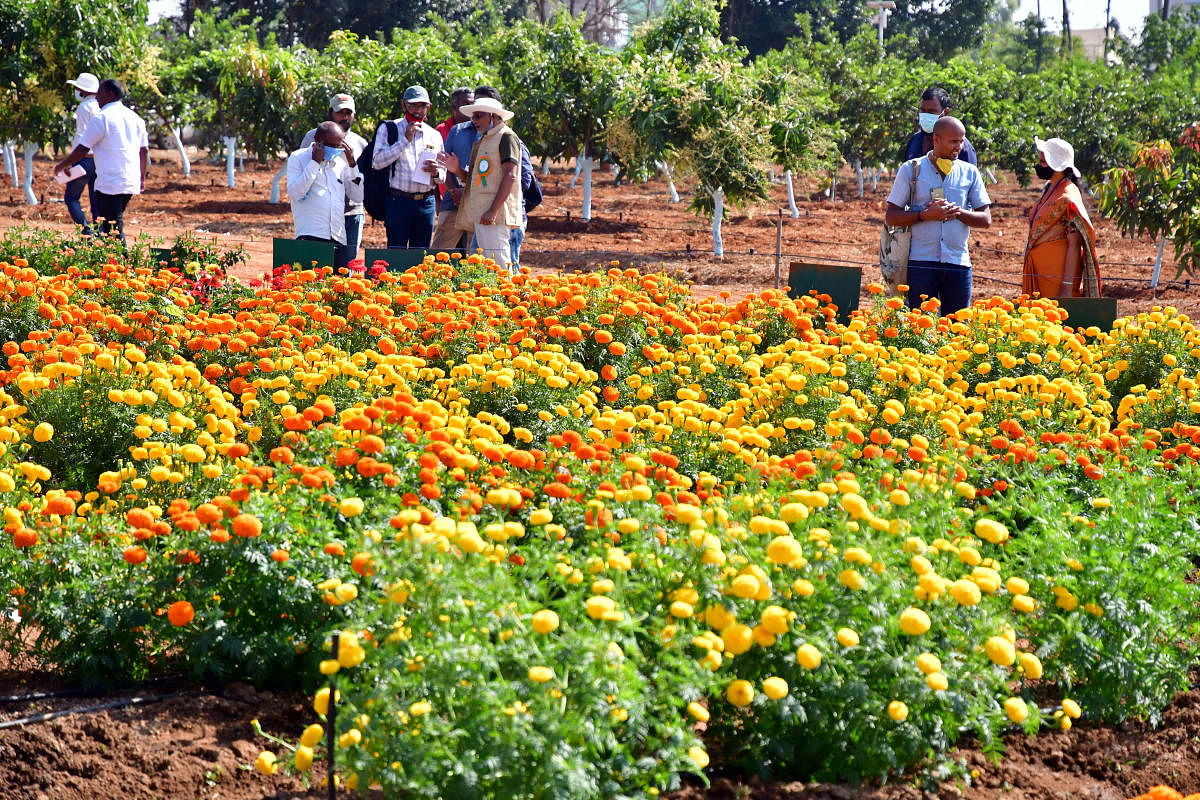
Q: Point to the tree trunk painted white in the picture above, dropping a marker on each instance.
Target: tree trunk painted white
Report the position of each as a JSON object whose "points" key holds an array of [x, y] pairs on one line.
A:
{"points": [[230, 155], [275, 182], [666, 169], [858, 173], [10, 164], [579, 159], [833, 186], [787, 178], [1162, 245], [30, 197], [588, 164], [241, 161], [545, 165], [874, 178], [991, 176], [183, 157], [718, 197]]}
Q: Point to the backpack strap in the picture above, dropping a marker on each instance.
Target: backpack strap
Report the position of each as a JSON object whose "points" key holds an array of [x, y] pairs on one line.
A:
{"points": [[914, 166]]}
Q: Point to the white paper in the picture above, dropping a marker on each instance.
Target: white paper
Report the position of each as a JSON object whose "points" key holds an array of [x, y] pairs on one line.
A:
{"points": [[74, 172], [420, 176]]}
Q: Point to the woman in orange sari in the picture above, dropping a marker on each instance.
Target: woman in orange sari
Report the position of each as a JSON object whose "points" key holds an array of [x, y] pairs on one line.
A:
{"points": [[1060, 256]]}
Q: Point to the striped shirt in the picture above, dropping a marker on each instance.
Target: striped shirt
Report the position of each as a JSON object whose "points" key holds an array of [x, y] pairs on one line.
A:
{"points": [[403, 155]]}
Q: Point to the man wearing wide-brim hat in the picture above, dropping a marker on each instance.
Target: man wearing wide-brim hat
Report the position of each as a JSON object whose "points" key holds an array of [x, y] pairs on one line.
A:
{"points": [[491, 202]]}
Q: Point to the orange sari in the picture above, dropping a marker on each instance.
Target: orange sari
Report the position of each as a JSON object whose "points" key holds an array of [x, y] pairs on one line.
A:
{"points": [[1060, 211]]}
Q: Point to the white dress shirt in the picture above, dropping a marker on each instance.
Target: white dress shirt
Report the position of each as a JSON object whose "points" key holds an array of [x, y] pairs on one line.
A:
{"points": [[87, 108], [317, 191], [405, 154], [354, 187], [116, 137]]}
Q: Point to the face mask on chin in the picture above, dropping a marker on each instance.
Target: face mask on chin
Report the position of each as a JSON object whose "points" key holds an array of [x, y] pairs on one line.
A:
{"points": [[1044, 172]]}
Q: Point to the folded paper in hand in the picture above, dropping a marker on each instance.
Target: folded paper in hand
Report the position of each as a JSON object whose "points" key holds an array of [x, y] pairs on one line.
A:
{"points": [[74, 172], [419, 175]]}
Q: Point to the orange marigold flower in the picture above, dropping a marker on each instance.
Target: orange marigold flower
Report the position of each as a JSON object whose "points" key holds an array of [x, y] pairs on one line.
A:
{"points": [[180, 613], [247, 526]]}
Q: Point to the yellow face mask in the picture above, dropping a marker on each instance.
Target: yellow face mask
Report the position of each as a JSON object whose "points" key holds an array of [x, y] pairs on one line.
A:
{"points": [[945, 165]]}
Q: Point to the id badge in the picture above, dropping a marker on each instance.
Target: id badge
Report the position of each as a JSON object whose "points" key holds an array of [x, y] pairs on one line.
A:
{"points": [[937, 193]]}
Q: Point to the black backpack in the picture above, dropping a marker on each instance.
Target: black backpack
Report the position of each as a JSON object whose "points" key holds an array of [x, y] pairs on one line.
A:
{"points": [[532, 195], [376, 181]]}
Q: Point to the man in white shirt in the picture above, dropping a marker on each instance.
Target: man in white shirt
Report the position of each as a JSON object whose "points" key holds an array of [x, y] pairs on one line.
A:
{"points": [[117, 138], [316, 184], [411, 203], [341, 111], [85, 91]]}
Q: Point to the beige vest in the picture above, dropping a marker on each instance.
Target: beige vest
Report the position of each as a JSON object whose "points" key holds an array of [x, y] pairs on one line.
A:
{"points": [[484, 182]]}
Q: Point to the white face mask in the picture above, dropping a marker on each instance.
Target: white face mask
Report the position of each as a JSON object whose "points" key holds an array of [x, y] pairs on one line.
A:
{"points": [[80, 95]]}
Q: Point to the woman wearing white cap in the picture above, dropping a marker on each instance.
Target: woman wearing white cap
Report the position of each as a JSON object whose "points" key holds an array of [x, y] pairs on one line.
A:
{"points": [[1060, 256]]}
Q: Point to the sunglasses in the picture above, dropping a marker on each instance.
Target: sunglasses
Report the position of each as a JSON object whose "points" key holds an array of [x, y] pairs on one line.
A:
{"points": [[480, 115]]}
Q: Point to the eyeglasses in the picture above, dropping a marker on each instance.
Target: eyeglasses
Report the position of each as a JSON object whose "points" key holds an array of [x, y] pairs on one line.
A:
{"points": [[480, 115]]}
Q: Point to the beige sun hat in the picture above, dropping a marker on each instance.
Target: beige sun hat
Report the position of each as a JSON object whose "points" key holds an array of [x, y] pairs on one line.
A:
{"points": [[1060, 156], [488, 105]]}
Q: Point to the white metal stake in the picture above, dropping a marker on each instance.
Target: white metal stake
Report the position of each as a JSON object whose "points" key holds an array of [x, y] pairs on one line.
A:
{"points": [[230, 155], [718, 197], [792, 210], [588, 163], [1162, 245], [183, 157], [30, 197], [275, 182]]}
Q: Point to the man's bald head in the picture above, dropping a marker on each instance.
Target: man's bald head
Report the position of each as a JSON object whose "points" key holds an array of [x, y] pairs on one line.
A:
{"points": [[330, 133], [945, 126], [948, 136]]}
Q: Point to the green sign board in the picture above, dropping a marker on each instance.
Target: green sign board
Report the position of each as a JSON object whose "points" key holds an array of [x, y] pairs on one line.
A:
{"points": [[843, 284], [1084, 312], [301, 253]]}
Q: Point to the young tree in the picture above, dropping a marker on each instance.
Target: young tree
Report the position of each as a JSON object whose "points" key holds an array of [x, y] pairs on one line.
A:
{"points": [[43, 45], [1158, 194], [561, 88], [688, 101]]}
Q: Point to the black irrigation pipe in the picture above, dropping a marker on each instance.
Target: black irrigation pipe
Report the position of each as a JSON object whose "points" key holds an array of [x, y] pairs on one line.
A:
{"points": [[29, 698], [132, 701]]}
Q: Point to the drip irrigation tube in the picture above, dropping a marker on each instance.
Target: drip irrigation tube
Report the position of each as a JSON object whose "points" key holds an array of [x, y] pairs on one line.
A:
{"points": [[132, 701]]}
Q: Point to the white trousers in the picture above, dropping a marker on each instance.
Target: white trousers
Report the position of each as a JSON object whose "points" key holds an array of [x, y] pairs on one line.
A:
{"points": [[493, 240]]}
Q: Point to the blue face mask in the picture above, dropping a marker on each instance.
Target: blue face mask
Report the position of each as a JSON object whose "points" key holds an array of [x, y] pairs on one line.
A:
{"points": [[927, 121], [332, 152]]}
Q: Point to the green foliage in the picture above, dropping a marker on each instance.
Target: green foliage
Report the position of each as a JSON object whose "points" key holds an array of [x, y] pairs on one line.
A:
{"points": [[1158, 194], [561, 85]]}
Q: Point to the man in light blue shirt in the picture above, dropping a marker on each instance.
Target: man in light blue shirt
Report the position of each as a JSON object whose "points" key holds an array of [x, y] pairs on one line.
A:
{"points": [[950, 199]]}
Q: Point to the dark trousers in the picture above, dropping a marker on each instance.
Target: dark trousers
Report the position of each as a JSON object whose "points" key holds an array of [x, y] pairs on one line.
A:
{"points": [[110, 210], [949, 283], [341, 256], [409, 223], [74, 190]]}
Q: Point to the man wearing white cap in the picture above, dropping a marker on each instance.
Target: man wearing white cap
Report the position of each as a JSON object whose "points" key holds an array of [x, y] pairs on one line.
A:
{"points": [[412, 159], [86, 86], [491, 203], [341, 111], [117, 137]]}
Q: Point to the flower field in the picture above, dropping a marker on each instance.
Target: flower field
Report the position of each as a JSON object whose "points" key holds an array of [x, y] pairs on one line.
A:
{"points": [[582, 534]]}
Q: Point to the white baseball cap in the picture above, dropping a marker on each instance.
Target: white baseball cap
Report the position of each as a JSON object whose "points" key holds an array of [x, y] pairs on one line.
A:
{"points": [[1060, 156], [86, 82], [341, 101]]}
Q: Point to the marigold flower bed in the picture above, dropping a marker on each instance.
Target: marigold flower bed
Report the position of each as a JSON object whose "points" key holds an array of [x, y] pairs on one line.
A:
{"points": [[582, 534]]}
